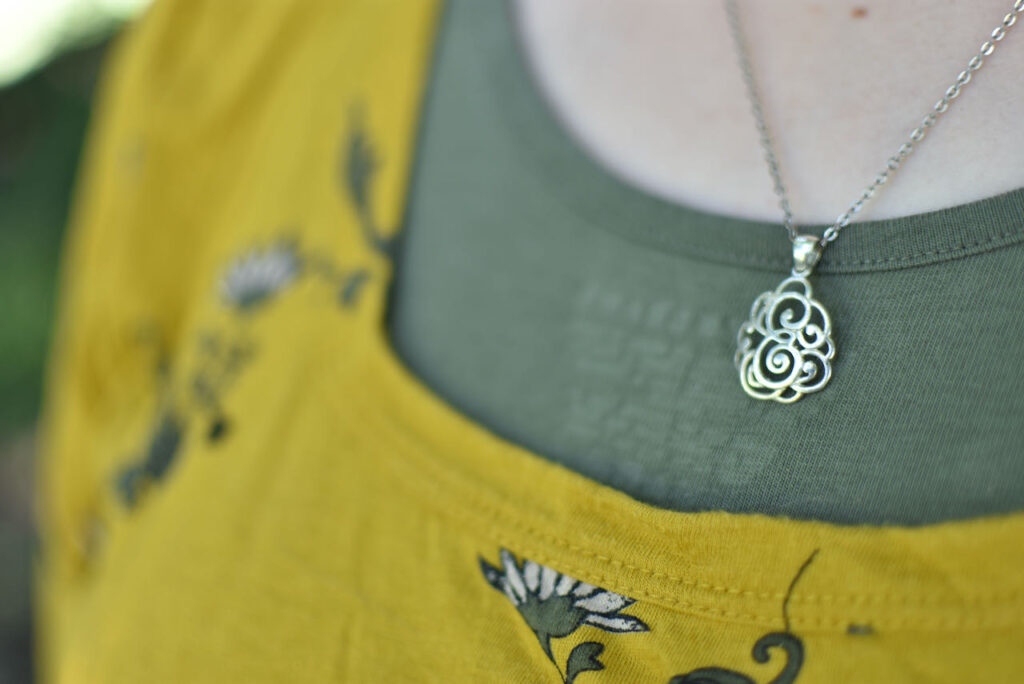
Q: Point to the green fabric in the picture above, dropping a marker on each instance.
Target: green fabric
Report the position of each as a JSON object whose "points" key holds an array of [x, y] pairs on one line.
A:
{"points": [[595, 324]]}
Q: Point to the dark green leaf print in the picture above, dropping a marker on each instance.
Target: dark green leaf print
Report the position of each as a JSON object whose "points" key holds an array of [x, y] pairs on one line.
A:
{"points": [[352, 286], [155, 462], [789, 643], [129, 484], [359, 167], [163, 446], [359, 162], [218, 429], [583, 658]]}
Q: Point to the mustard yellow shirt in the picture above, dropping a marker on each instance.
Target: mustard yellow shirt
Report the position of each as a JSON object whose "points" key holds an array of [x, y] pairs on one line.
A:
{"points": [[242, 483]]}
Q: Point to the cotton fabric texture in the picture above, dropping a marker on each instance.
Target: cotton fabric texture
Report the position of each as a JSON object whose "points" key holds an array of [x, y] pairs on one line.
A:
{"points": [[242, 482]]}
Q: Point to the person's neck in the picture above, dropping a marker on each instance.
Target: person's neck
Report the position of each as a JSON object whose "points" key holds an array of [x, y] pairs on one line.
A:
{"points": [[652, 89]]}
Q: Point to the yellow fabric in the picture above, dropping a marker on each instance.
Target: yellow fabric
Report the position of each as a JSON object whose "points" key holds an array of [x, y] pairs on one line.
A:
{"points": [[318, 515]]}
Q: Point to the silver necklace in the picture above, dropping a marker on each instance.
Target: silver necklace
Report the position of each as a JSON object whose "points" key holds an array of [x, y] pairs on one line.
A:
{"points": [[785, 349]]}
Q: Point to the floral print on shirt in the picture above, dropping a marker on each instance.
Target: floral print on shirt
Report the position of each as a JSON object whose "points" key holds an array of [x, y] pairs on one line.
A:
{"points": [[248, 284], [554, 605]]}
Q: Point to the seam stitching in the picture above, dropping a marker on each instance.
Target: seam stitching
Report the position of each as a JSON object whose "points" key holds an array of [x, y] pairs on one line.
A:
{"points": [[830, 266], [490, 511], [701, 610]]}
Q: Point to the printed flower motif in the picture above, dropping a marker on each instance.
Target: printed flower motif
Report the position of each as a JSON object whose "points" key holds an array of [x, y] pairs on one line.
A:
{"points": [[554, 605], [253, 278]]}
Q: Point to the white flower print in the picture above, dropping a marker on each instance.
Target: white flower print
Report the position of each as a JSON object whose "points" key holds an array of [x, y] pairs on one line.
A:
{"points": [[554, 605], [256, 276]]}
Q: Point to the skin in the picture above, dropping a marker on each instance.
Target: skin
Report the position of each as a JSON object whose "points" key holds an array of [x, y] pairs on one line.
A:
{"points": [[652, 90]]}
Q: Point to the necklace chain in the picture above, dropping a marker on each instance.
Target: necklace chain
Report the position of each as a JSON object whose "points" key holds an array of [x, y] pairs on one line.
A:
{"points": [[893, 162], [785, 348]]}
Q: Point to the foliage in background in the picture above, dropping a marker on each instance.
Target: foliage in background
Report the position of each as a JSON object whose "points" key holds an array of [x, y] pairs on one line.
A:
{"points": [[33, 31], [42, 123]]}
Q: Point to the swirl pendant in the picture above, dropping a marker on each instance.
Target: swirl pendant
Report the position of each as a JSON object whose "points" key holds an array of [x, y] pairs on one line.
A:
{"points": [[785, 349]]}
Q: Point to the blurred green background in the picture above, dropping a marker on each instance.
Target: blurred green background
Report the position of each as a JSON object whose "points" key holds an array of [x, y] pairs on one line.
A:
{"points": [[50, 57]]}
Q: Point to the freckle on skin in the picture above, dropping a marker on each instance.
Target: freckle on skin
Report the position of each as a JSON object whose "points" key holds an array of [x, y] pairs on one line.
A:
{"points": [[859, 12]]}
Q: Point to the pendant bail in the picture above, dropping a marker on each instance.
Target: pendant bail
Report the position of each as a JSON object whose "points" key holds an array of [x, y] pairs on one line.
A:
{"points": [[806, 253]]}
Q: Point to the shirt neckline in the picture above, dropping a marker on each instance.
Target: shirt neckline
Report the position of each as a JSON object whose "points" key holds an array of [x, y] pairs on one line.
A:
{"points": [[613, 204], [736, 567], [950, 576]]}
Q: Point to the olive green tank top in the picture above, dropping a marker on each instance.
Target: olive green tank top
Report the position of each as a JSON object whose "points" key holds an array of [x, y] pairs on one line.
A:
{"points": [[595, 324]]}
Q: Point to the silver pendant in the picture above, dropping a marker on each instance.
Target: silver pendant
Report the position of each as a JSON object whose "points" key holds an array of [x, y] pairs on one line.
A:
{"points": [[785, 349]]}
